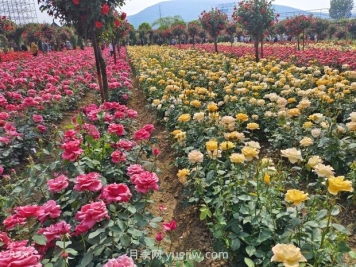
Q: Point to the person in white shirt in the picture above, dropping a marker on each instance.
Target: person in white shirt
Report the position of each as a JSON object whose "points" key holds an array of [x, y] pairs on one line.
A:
{"points": [[111, 49]]}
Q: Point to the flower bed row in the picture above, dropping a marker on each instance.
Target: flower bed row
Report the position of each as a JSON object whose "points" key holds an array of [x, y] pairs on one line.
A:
{"points": [[334, 56], [248, 135], [88, 206], [35, 92]]}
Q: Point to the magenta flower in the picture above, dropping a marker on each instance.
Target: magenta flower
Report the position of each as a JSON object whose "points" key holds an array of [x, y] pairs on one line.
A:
{"points": [[116, 193], [89, 215], [54, 231], [49, 210], [72, 150], [89, 182], [122, 261], [57, 184], [118, 156], [145, 181], [141, 134], [118, 129], [169, 226], [20, 256]]}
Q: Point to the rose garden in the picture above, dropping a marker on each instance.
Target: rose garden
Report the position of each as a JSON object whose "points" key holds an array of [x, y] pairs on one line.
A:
{"points": [[256, 139]]}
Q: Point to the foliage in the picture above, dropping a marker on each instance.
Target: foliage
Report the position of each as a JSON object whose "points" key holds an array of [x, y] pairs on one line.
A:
{"points": [[164, 23], [340, 8], [319, 26], [214, 22]]}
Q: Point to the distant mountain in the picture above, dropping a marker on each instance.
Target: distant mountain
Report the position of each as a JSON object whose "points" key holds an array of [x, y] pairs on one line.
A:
{"points": [[190, 10]]}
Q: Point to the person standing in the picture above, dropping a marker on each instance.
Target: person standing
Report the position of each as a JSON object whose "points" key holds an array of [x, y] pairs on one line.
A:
{"points": [[111, 49], [34, 49]]}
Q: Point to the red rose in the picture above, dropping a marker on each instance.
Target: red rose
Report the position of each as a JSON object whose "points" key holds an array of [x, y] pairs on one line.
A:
{"points": [[123, 16], [117, 22], [105, 9], [98, 24], [170, 226], [116, 193], [76, 2]]}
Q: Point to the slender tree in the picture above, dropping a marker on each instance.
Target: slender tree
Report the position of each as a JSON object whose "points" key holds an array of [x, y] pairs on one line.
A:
{"points": [[89, 18], [231, 29], [214, 22], [193, 30], [340, 8], [256, 17]]}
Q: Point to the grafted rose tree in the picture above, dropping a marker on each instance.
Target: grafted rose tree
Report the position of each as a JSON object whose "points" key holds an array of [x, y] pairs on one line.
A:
{"points": [[89, 17], [178, 30], [297, 25], [193, 29], [214, 22], [231, 30], [6, 28], [256, 17], [319, 27]]}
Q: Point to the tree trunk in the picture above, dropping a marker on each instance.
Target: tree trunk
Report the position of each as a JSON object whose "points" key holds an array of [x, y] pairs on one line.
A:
{"points": [[216, 44], [256, 49], [262, 46], [113, 42], [194, 41], [119, 48], [101, 70], [303, 40], [298, 42]]}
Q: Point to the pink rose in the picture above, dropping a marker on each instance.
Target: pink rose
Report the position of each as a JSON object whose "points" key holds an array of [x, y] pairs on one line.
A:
{"points": [[92, 130], [41, 128], [126, 144], [141, 134], [146, 181], [89, 215], [72, 150], [134, 169], [27, 211], [169, 226], [121, 261], [118, 129], [12, 221], [54, 231], [1, 170], [118, 156], [88, 182], [149, 128], [49, 210], [20, 256], [5, 239], [131, 113], [116, 193], [57, 184], [37, 118], [70, 135]]}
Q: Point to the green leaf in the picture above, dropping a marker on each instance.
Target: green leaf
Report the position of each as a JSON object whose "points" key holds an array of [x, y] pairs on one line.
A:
{"points": [[321, 214], [125, 240], [235, 245], [149, 241], [72, 251], [250, 250], [62, 244], [40, 239], [340, 228], [249, 262], [87, 259], [131, 209], [188, 263], [96, 233]]}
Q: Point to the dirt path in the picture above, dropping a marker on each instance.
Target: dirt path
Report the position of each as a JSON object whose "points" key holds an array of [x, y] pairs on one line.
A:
{"points": [[191, 233]]}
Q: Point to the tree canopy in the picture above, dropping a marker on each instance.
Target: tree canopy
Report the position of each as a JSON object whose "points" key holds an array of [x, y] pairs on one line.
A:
{"points": [[340, 8]]}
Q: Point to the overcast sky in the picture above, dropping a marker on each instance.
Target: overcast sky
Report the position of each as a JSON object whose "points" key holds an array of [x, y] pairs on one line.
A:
{"points": [[134, 6]]}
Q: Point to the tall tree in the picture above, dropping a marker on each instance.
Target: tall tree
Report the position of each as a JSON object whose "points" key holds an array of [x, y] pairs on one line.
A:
{"points": [[143, 29], [297, 25], [231, 29], [340, 8], [89, 18], [193, 29], [256, 17], [166, 22], [213, 22]]}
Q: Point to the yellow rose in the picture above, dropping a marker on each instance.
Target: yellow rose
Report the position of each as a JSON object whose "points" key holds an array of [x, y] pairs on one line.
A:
{"points": [[293, 112], [175, 132], [252, 126], [211, 145], [195, 103], [212, 107], [314, 160], [267, 178], [323, 170], [306, 141], [226, 145], [234, 136], [198, 116], [242, 117], [183, 173], [156, 102], [237, 158], [249, 153], [292, 154], [195, 156], [296, 196], [337, 184], [184, 117], [288, 254]]}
